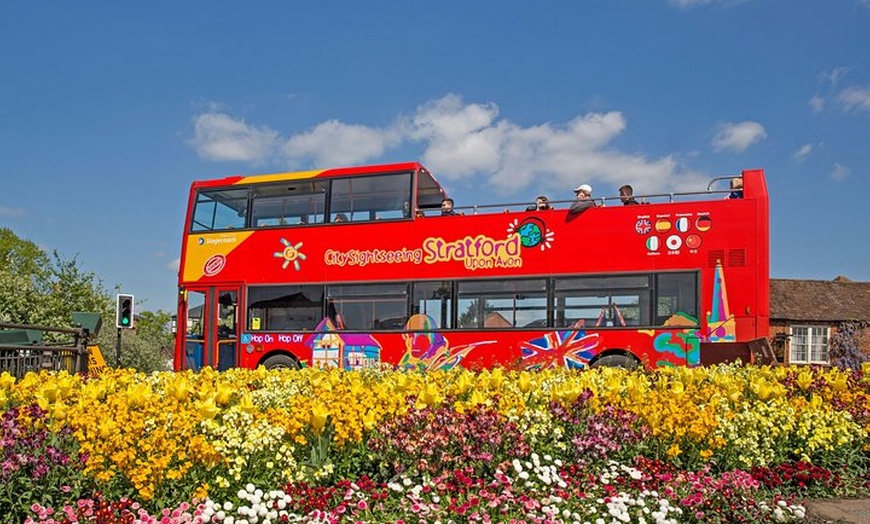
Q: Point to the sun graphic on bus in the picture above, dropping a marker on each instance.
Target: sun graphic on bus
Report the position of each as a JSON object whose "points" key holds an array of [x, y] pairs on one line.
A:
{"points": [[533, 232], [290, 254]]}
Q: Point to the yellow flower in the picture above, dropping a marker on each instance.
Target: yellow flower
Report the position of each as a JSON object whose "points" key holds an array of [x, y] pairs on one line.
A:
{"points": [[58, 412], [179, 389], [524, 382], [804, 380], [477, 397], [762, 389], [223, 395], [207, 408], [370, 420], [674, 450], [41, 401], [319, 414], [496, 378], [6, 380], [839, 382], [201, 492], [138, 394], [246, 403], [430, 395], [463, 383]]}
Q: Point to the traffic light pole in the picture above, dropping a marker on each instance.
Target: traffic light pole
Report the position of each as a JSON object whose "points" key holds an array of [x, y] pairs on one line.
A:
{"points": [[124, 319]]}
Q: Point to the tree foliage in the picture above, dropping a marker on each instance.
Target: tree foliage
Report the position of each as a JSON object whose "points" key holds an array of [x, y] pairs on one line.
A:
{"points": [[36, 288], [41, 289], [146, 348]]}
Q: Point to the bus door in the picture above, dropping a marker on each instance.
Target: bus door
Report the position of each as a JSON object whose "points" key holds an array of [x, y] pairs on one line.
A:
{"points": [[212, 328]]}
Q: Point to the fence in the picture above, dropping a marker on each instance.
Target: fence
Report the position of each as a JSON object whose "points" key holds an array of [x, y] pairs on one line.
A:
{"points": [[22, 349]]}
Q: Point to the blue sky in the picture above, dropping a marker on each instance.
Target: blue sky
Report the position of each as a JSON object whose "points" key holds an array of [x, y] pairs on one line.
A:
{"points": [[108, 110]]}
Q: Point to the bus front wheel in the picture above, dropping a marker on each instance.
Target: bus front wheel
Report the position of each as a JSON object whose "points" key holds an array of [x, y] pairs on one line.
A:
{"points": [[281, 362], [616, 361]]}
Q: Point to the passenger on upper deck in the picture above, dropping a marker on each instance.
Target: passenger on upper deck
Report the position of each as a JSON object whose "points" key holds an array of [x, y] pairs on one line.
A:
{"points": [[583, 201], [542, 203], [626, 194], [447, 208], [736, 188], [341, 217]]}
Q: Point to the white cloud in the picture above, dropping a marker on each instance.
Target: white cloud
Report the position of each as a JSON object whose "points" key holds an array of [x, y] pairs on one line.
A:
{"points": [[738, 136], [836, 74], [219, 137], [174, 265], [466, 141], [839, 172], [802, 152], [817, 103], [335, 143], [11, 212], [855, 98], [461, 141]]}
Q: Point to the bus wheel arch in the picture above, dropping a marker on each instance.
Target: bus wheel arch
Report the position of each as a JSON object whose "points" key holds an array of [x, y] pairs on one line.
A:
{"points": [[616, 359], [280, 360]]}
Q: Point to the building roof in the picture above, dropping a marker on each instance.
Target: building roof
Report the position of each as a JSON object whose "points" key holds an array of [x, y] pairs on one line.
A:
{"points": [[835, 300]]}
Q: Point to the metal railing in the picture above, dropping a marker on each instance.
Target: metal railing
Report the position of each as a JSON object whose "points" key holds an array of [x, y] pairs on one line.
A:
{"points": [[18, 359], [648, 198]]}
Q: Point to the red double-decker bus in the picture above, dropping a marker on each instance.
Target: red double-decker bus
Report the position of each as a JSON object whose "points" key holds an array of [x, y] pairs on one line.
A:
{"points": [[355, 267]]}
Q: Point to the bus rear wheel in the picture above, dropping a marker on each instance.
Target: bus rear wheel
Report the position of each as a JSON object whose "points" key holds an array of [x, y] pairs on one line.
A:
{"points": [[281, 362], [616, 361]]}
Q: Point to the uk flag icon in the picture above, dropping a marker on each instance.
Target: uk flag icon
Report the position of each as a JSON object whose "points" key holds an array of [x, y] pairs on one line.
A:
{"points": [[643, 226]]}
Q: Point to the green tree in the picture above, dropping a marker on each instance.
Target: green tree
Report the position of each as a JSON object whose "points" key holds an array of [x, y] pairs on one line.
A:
{"points": [[147, 348], [21, 256], [36, 288], [39, 289]]}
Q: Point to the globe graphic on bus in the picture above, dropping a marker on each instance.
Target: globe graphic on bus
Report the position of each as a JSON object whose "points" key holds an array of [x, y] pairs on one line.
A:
{"points": [[531, 233]]}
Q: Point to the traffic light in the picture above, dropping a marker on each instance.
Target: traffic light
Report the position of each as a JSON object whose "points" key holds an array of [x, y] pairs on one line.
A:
{"points": [[124, 311]]}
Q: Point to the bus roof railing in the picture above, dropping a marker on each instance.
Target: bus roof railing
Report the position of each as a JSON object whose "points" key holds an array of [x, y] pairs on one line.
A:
{"points": [[720, 178], [648, 198]]}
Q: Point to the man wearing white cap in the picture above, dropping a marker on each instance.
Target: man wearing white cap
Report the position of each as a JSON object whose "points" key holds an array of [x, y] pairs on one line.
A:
{"points": [[583, 201]]}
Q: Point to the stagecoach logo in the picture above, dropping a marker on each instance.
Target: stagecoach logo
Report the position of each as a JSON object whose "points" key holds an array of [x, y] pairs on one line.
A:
{"points": [[214, 265]]}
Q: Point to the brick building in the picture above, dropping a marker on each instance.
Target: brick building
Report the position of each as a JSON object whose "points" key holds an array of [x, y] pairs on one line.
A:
{"points": [[804, 314]]}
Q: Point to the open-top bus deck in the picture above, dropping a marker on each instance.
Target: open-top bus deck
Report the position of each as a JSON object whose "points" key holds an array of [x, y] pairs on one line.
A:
{"points": [[334, 268]]}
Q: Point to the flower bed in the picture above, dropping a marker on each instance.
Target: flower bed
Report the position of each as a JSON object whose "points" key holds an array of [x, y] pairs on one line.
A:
{"points": [[721, 444]]}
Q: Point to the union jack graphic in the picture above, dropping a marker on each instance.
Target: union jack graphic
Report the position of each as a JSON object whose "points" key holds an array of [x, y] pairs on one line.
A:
{"points": [[568, 349], [643, 226]]}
